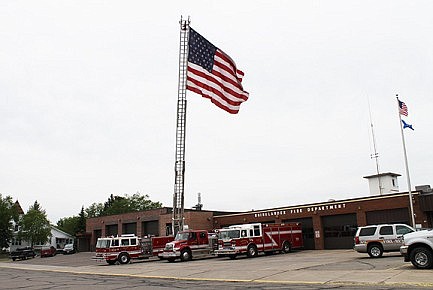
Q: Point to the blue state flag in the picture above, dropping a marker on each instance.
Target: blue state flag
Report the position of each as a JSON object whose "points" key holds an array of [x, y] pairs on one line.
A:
{"points": [[406, 125]]}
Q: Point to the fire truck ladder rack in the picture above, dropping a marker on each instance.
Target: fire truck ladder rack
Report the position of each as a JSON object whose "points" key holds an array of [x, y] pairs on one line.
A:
{"points": [[178, 196]]}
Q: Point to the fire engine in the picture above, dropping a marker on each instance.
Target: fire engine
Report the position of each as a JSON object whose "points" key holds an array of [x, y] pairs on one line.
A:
{"points": [[188, 244], [250, 239], [126, 247]]}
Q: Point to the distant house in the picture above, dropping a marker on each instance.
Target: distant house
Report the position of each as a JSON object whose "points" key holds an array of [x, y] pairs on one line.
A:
{"points": [[58, 237]]}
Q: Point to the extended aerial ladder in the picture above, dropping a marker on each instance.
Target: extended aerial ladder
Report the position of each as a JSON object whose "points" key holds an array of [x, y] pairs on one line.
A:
{"points": [[179, 182]]}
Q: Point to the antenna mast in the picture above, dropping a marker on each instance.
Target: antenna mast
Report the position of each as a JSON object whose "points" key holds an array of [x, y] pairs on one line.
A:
{"points": [[375, 155], [179, 169]]}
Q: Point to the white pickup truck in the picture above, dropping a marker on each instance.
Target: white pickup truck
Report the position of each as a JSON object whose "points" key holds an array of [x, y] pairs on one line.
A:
{"points": [[418, 249]]}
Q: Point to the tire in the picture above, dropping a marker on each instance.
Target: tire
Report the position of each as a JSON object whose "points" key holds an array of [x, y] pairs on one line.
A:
{"points": [[252, 251], [13, 259], [421, 258], [111, 262], [185, 255], [375, 251], [124, 258], [287, 248]]}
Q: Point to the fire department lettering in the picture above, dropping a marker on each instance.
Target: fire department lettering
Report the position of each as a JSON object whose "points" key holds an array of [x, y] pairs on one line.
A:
{"points": [[327, 207]]}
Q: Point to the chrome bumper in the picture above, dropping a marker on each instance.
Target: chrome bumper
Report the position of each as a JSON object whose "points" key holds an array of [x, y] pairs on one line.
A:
{"points": [[167, 255]]}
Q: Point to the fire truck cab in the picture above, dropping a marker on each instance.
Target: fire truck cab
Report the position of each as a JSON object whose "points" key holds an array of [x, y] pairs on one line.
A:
{"points": [[250, 239], [188, 244]]}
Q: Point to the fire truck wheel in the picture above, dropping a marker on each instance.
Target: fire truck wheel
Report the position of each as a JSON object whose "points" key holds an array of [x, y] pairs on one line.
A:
{"points": [[185, 255], [252, 251], [123, 258], [286, 247]]}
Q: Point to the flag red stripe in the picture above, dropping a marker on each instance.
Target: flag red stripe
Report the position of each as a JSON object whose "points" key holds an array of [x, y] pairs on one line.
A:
{"points": [[218, 104], [220, 68], [212, 92], [200, 75], [238, 73]]}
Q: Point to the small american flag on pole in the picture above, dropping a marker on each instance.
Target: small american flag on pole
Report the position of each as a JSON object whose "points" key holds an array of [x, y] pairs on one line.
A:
{"points": [[213, 74], [402, 108]]}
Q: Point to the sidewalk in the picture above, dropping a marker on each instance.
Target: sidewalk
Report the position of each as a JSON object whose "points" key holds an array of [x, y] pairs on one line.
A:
{"points": [[339, 267]]}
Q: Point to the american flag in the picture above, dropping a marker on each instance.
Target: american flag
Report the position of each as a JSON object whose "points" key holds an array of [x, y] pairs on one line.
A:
{"points": [[402, 108], [213, 74]]}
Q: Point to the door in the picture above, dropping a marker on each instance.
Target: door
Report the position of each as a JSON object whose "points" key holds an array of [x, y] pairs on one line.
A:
{"points": [[339, 231], [387, 234]]}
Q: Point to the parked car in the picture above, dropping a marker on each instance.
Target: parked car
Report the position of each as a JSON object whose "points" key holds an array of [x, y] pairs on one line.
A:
{"points": [[22, 253], [69, 249], [48, 251], [418, 249], [377, 239]]}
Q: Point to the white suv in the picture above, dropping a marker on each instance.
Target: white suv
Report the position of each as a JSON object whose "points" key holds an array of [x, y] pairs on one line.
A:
{"points": [[377, 239]]}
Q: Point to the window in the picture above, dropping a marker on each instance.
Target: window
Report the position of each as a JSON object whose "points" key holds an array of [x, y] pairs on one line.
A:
{"points": [[402, 230], [257, 230], [115, 243], [193, 236], [228, 234], [367, 231], [133, 242], [202, 235], [125, 242], [243, 233], [168, 230], [386, 230]]}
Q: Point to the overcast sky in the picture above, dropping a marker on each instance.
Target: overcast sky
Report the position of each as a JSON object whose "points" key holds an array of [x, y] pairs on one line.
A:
{"points": [[88, 93]]}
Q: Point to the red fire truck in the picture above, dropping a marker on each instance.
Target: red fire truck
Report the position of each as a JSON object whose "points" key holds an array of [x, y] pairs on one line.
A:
{"points": [[250, 239], [126, 247], [188, 244]]}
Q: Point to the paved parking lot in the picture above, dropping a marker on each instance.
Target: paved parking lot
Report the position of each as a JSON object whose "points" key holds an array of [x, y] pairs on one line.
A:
{"points": [[327, 267]]}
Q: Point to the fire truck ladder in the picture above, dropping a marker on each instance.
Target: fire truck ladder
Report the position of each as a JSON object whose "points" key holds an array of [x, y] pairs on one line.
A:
{"points": [[179, 182]]}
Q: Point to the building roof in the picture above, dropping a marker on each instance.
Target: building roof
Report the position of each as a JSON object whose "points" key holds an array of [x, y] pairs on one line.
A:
{"points": [[383, 174], [18, 207]]}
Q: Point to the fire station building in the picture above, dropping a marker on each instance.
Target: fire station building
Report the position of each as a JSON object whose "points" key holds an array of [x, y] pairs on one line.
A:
{"points": [[325, 225], [154, 222]]}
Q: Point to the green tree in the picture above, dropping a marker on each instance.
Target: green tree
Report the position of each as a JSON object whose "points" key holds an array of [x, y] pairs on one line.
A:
{"points": [[35, 227], [68, 225], [8, 213], [95, 210], [73, 225], [122, 204], [81, 227]]}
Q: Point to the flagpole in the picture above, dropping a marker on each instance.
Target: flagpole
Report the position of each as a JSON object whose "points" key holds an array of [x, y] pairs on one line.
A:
{"points": [[406, 164]]}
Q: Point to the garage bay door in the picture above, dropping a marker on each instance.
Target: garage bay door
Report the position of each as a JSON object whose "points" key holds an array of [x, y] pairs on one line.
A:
{"points": [[339, 231], [389, 216]]}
